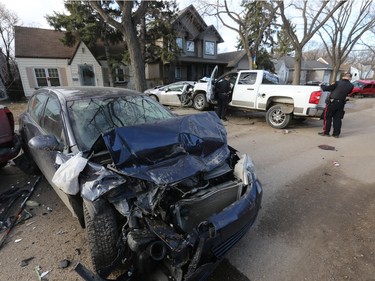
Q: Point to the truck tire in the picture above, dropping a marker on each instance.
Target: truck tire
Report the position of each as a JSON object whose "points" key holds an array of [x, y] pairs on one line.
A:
{"points": [[200, 102], [276, 118], [102, 233]]}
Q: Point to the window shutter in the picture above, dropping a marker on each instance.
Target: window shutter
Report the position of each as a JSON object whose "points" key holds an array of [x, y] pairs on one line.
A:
{"points": [[64, 79], [31, 77]]}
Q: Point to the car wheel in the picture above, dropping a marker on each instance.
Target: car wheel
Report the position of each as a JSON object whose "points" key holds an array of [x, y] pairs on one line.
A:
{"points": [[276, 118], [200, 102], [102, 232], [155, 98]]}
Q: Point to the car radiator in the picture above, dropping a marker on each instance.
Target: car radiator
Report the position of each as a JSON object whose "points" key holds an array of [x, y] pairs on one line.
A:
{"points": [[190, 212]]}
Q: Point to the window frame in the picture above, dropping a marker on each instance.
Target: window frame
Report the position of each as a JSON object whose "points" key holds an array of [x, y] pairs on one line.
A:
{"points": [[188, 46], [208, 45], [48, 78], [179, 42]]}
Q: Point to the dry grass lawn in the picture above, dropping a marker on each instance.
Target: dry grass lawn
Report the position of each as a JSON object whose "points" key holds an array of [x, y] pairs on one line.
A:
{"points": [[17, 107]]}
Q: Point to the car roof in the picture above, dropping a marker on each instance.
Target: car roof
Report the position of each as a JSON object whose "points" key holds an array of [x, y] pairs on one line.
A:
{"points": [[84, 92]]}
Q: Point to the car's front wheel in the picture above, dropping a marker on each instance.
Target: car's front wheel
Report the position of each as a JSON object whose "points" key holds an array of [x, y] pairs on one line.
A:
{"points": [[200, 102], [102, 232], [277, 118]]}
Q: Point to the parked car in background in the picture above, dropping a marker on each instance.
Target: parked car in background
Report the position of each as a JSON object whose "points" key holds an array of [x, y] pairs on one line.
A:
{"points": [[10, 144], [163, 194], [170, 94], [363, 88]]}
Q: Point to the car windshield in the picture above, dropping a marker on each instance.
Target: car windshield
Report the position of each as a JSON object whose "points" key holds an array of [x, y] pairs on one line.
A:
{"points": [[91, 117]]}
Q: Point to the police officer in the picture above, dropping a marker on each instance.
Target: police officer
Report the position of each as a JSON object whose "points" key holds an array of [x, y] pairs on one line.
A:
{"points": [[335, 103], [223, 89]]}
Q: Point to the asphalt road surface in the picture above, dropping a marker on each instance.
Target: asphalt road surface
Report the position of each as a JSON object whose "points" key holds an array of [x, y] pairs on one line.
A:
{"points": [[317, 221]]}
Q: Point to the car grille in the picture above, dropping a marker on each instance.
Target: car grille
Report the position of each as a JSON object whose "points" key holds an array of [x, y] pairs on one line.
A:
{"points": [[194, 210]]}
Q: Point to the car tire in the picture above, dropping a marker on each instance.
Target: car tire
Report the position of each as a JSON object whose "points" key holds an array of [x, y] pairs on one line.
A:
{"points": [[276, 118], [102, 233], [200, 102]]}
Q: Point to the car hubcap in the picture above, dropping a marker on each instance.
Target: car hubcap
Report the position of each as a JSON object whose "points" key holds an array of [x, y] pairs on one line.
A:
{"points": [[278, 117]]}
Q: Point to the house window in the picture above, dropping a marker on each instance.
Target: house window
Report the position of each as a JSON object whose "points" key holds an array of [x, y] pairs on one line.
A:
{"points": [[209, 48], [179, 42], [120, 75], [190, 46], [177, 72], [47, 77]]}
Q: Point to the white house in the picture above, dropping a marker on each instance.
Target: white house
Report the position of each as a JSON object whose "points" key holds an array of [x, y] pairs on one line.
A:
{"points": [[43, 60]]}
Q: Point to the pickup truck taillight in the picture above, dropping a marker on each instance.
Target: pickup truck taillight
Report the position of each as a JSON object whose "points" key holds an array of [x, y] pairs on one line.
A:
{"points": [[315, 97]]}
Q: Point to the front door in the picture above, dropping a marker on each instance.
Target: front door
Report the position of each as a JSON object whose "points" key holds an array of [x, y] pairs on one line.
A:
{"points": [[87, 75]]}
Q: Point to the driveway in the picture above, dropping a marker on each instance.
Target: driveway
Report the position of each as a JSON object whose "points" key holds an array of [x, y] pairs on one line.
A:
{"points": [[316, 223]]}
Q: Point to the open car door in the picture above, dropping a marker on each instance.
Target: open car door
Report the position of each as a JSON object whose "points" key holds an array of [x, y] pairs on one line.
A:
{"points": [[210, 95]]}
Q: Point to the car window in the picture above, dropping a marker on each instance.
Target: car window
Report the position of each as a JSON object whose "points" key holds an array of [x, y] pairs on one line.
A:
{"points": [[176, 87], [52, 122], [247, 78], [91, 117], [36, 106]]}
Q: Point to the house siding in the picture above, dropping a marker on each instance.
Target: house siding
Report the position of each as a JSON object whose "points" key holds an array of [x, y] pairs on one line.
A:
{"points": [[83, 56], [26, 68]]}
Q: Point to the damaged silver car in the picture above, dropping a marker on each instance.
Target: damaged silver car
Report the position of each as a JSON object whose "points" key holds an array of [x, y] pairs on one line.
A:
{"points": [[162, 197]]}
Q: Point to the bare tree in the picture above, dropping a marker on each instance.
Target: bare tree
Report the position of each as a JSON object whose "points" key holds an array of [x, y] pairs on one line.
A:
{"points": [[344, 29], [8, 20], [131, 16], [312, 20], [244, 21]]}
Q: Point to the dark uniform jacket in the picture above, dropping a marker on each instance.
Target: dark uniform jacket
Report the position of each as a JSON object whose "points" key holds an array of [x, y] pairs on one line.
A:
{"points": [[223, 87], [340, 89]]}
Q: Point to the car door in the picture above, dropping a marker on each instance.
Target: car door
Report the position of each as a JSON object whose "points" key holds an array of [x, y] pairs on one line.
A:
{"points": [[210, 95], [171, 93], [245, 90], [44, 118]]}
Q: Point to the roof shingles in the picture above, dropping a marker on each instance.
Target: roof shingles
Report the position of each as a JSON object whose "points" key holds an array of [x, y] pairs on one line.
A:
{"points": [[41, 43]]}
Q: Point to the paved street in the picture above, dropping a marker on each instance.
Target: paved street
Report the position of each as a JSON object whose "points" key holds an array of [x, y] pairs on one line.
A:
{"points": [[317, 218]]}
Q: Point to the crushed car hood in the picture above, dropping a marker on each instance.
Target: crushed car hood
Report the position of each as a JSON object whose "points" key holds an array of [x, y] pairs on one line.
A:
{"points": [[170, 150]]}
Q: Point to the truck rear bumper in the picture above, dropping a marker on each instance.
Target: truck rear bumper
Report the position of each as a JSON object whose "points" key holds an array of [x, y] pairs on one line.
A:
{"points": [[314, 111]]}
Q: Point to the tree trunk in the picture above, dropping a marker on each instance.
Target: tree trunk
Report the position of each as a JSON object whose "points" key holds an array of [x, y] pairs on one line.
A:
{"points": [[335, 71], [297, 67], [109, 61], [136, 56]]}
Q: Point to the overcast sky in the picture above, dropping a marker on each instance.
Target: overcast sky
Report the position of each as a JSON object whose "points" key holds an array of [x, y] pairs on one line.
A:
{"points": [[32, 14]]}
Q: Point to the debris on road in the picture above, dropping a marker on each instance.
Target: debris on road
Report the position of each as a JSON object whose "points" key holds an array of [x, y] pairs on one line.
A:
{"points": [[19, 212], [326, 147], [64, 263], [25, 262]]}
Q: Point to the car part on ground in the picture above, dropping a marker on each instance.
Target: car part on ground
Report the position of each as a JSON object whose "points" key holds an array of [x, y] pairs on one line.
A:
{"points": [[163, 196], [10, 144]]}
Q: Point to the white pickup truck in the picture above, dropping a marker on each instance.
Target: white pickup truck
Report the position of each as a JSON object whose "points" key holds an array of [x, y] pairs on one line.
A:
{"points": [[259, 90]]}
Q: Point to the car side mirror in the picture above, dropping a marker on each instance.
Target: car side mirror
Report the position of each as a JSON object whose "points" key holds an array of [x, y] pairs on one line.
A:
{"points": [[45, 142]]}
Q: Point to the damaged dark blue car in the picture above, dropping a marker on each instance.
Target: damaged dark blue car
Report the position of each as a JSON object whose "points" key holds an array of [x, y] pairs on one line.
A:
{"points": [[162, 197]]}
